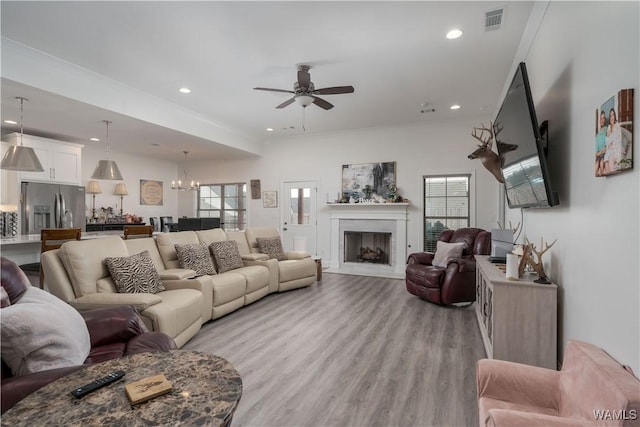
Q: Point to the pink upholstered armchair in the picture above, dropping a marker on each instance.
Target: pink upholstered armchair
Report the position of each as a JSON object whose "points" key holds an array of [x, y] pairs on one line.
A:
{"points": [[592, 389], [457, 281]]}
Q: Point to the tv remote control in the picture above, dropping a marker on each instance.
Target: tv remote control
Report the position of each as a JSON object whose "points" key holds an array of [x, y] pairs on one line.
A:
{"points": [[94, 385]]}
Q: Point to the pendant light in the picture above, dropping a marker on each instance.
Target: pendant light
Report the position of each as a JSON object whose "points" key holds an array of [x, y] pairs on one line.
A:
{"points": [[107, 169], [19, 157], [182, 184]]}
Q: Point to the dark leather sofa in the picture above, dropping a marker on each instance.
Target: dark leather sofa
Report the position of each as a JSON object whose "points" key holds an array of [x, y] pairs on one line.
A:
{"points": [[456, 282], [114, 332]]}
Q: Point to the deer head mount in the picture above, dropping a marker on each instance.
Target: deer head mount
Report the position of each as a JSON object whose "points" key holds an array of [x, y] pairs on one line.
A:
{"points": [[487, 156]]}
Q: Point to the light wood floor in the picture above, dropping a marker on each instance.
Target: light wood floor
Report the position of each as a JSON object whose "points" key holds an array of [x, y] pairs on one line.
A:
{"points": [[350, 351]]}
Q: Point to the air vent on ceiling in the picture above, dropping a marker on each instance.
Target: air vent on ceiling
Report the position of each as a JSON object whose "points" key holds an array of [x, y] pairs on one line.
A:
{"points": [[493, 19]]}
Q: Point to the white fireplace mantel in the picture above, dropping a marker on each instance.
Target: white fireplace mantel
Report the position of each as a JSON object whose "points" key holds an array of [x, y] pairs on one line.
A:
{"points": [[364, 214]]}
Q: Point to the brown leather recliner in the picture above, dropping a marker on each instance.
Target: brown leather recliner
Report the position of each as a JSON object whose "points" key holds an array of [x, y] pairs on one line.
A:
{"points": [[115, 331], [456, 282]]}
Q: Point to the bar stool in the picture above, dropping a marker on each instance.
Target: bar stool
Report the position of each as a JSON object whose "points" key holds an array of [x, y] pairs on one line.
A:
{"points": [[53, 238], [138, 230], [155, 223]]}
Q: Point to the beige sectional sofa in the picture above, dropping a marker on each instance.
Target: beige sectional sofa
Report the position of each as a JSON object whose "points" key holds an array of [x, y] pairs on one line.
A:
{"points": [[77, 274]]}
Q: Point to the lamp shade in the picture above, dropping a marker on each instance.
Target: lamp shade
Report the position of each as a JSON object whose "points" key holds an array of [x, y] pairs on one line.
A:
{"points": [[93, 187], [121, 190], [107, 169], [21, 158]]}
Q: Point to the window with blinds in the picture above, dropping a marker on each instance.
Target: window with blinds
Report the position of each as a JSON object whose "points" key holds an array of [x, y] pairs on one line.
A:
{"points": [[225, 201], [446, 206]]}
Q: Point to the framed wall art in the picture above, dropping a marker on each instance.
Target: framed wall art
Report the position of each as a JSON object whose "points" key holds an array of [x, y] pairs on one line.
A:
{"points": [[255, 188], [368, 180], [614, 134], [270, 199], [151, 192]]}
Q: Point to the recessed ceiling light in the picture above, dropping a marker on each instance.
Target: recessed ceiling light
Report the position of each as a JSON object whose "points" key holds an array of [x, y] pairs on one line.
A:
{"points": [[94, 139], [454, 34], [184, 90], [269, 129], [11, 122], [455, 107]]}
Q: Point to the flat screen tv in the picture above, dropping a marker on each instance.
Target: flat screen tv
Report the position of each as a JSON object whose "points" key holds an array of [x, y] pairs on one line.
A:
{"points": [[522, 157]]}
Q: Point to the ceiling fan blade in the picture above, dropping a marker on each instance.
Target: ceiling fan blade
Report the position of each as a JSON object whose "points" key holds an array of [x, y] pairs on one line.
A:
{"points": [[273, 90], [287, 102], [334, 90], [304, 79], [322, 103]]}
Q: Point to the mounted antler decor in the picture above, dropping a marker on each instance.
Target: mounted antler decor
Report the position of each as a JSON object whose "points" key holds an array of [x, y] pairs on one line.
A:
{"points": [[487, 156], [537, 265]]}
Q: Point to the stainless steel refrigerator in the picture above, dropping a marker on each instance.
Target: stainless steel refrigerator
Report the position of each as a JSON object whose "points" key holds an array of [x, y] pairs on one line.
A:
{"points": [[51, 206]]}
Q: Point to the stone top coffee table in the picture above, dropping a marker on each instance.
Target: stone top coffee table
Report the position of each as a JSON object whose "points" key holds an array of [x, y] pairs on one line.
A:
{"points": [[206, 391]]}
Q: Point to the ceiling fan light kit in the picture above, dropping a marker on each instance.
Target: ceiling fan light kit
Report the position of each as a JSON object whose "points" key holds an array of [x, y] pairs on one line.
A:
{"points": [[304, 91]]}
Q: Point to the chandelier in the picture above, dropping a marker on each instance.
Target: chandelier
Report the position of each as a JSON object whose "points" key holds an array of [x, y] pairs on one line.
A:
{"points": [[183, 184]]}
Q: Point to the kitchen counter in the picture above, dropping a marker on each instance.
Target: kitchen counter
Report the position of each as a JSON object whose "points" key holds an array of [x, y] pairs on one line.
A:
{"points": [[25, 249], [35, 238]]}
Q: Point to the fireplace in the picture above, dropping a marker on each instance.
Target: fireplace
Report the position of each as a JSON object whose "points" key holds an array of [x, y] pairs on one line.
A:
{"points": [[369, 239], [369, 247]]}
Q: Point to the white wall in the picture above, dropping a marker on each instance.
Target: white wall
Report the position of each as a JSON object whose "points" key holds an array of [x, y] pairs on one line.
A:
{"points": [[583, 54], [430, 148], [133, 169]]}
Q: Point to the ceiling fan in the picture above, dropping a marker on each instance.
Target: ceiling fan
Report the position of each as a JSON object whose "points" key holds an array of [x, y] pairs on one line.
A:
{"points": [[304, 91]]}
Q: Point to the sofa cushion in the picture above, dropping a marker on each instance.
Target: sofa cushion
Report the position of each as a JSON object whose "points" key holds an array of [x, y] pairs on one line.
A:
{"points": [[41, 332], [209, 236], [166, 246], [292, 270], [272, 246], [135, 274], [239, 236], [226, 255], [195, 257], [445, 252], [135, 246], [83, 261]]}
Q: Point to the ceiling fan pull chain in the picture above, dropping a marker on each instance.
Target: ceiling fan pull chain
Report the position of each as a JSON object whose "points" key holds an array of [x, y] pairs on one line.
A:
{"points": [[304, 129]]}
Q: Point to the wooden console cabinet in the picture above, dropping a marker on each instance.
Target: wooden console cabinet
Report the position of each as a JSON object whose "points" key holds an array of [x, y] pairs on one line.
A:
{"points": [[518, 318]]}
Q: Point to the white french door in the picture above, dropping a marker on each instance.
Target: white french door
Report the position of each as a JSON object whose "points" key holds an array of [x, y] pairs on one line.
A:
{"points": [[299, 225]]}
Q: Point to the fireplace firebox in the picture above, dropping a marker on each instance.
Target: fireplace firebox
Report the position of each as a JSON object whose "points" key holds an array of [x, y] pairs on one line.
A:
{"points": [[370, 247]]}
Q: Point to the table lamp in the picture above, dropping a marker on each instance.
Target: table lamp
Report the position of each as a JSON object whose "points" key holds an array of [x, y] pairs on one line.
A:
{"points": [[121, 190], [93, 188]]}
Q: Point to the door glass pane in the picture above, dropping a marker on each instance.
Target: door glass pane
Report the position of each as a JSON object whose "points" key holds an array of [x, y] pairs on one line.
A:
{"points": [[300, 207]]}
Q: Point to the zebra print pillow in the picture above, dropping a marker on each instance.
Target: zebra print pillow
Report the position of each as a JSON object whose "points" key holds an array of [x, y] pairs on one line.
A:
{"points": [[272, 246], [195, 257], [226, 255], [135, 274]]}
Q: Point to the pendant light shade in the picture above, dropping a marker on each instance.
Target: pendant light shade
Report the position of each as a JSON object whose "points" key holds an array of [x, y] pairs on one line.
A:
{"points": [[19, 157], [107, 169]]}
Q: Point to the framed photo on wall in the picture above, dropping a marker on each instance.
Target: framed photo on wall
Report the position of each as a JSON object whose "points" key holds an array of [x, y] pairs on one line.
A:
{"points": [[270, 199], [151, 192], [368, 180], [255, 188], [614, 134]]}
